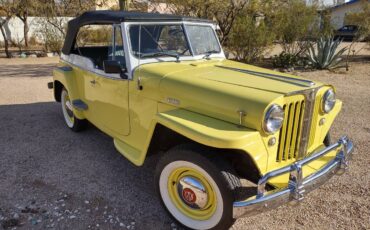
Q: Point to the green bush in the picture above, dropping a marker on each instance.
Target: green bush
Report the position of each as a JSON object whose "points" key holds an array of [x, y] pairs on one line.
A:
{"points": [[249, 41], [295, 25], [285, 60], [291, 23], [288, 61], [251, 34]]}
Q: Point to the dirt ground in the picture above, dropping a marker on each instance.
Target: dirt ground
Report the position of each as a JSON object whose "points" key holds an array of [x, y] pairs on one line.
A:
{"points": [[51, 177]]}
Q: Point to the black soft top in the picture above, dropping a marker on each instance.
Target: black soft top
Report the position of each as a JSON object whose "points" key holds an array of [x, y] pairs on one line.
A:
{"points": [[111, 17]]}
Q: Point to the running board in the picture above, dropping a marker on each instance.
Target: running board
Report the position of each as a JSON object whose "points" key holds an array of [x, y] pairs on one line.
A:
{"points": [[79, 105]]}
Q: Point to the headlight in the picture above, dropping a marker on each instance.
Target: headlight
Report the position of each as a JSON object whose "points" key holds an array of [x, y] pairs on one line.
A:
{"points": [[273, 119], [328, 101]]}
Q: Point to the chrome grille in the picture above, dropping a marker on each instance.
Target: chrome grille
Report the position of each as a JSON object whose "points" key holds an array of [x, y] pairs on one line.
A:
{"points": [[295, 133], [289, 138]]}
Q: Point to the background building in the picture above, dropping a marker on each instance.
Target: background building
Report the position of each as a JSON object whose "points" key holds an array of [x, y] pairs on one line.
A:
{"points": [[325, 3], [338, 13]]}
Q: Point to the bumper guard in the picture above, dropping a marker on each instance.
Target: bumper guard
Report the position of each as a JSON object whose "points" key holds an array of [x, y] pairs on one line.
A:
{"points": [[297, 186]]}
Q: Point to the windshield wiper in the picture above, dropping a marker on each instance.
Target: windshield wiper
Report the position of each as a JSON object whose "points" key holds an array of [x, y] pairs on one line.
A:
{"points": [[208, 54], [159, 54]]}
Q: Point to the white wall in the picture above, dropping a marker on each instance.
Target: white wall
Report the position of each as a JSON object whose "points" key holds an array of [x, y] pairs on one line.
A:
{"points": [[338, 14], [325, 3], [14, 28]]}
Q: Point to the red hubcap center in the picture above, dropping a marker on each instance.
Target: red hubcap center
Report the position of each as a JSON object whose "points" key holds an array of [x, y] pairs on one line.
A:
{"points": [[189, 196]]}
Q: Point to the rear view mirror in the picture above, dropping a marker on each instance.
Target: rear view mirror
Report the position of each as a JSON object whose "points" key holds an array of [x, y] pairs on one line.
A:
{"points": [[112, 66]]}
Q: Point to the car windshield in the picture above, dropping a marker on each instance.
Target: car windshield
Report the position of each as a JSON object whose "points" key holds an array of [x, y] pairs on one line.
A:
{"points": [[170, 40], [202, 39]]}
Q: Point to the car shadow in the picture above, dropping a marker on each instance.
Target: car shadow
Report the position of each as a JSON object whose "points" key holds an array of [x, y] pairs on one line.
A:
{"points": [[40, 158], [27, 70]]}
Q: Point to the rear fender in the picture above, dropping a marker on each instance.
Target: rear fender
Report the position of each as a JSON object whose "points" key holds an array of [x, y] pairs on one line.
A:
{"points": [[65, 75]]}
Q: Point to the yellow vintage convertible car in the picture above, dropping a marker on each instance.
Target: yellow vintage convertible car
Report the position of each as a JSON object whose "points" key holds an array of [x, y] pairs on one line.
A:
{"points": [[235, 139]]}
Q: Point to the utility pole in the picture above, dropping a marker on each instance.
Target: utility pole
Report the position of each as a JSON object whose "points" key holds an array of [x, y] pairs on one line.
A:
{"points": [[124, 4]]}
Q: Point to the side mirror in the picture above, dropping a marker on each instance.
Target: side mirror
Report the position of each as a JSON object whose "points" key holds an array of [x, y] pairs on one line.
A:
{"points": [[112, 66]]}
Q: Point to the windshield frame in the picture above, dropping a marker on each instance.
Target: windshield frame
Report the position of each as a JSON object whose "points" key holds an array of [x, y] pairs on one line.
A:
{"points": [[153, 24], [192, 56], [189, 43], [134, 62]]}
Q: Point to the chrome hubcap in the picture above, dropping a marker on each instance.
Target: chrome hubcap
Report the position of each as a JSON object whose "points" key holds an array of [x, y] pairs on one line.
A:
{"points": [[192, 192]]}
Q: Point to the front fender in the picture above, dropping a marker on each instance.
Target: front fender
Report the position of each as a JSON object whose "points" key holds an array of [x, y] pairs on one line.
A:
{"points": [[216, 133]]}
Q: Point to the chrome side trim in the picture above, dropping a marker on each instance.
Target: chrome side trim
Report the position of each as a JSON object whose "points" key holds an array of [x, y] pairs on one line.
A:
{"points": [[297, 186], [290, 80]]}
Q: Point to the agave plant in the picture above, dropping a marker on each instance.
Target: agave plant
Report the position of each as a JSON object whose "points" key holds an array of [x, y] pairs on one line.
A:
{"points": [[325, 54]]}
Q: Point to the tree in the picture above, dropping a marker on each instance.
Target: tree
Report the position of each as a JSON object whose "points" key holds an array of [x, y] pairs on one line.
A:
{"points": [[251, 32], [326, 27], [124, 4], [51, 36], [54, 11], [54, 22], [223, 11], [21, 9], [296, 23], [7, 12]]}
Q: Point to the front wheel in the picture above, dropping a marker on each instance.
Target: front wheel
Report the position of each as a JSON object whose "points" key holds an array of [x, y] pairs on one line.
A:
{"points": [[71, 120], [195, 190]]}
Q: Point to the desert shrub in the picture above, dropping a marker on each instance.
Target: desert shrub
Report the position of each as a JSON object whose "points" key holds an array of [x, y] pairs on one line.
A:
{"points": [[249, 40], [18, 41], [295, 25], [32, 41], [252, 33], [325, 54], [288, 61]]}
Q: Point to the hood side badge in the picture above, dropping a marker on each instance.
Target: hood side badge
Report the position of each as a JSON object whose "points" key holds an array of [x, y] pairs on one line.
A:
{"points": [[173, 101], [242, 114]]}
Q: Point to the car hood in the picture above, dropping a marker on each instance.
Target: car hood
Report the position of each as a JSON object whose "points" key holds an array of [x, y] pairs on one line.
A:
{"points": [[222, 89]]}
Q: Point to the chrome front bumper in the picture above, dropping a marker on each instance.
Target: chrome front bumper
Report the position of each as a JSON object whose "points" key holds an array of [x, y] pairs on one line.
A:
{"points": [[297, 186]]}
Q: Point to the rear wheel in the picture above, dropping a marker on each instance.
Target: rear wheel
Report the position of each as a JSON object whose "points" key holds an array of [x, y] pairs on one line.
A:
{"points": [[71, 120], [195, 191]]}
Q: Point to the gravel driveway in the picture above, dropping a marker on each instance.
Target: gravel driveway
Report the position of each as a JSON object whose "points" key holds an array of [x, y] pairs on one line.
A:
{"points": [[51, 177]]}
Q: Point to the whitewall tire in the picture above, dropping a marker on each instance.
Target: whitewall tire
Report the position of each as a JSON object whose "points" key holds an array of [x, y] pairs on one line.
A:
{"points": [[194, 190], [70, 119]]}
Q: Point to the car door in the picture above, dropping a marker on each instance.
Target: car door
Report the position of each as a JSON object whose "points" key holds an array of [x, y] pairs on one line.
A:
{"points": [[108, 93]]}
